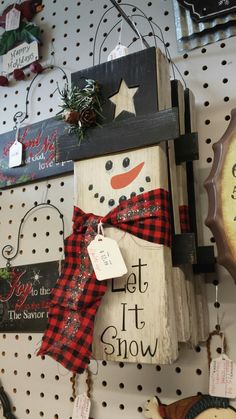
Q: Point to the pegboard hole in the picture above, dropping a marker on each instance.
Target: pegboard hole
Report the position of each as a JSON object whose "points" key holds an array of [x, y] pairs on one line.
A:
{"points": [[198, 371], [208, 140], [104, 404], [178, 392], [121, 385], [140, 409]]}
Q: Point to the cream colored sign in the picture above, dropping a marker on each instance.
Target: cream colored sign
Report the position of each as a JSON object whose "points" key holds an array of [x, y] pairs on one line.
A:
{"points": [[228, 195], [19, 57]]}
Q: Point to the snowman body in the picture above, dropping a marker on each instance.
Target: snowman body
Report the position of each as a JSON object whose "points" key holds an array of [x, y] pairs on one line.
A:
{"points": [[136, 320]]}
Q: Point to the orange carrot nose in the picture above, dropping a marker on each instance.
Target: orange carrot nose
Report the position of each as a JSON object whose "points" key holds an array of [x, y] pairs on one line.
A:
{"points": [[124, 179]]}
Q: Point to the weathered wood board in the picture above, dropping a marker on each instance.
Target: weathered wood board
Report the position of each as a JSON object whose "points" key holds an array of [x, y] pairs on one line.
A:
{"points": [[196, 284], [136, 320], [130, 104], [221, 189], [179, 279]]}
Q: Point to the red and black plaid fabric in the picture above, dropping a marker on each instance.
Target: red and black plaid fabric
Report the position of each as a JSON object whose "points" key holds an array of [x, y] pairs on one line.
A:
{"points": [[184, 219], [77, 294]]}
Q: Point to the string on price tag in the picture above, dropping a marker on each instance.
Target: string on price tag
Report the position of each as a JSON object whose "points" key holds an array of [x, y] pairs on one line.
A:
{"points": [[120, 50], [106, 257], [16, 151], [82, 406], [12, 19]]}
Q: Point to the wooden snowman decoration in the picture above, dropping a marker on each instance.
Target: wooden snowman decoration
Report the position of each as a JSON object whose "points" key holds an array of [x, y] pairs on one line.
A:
{"points": [[136, 320]]}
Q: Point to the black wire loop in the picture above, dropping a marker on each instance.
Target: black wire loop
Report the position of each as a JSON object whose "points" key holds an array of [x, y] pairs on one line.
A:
{"points": [[151, 23], [19, 117], [8, 248]]}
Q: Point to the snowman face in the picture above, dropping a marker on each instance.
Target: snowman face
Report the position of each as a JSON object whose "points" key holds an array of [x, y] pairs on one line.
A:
{"points": [[121, 181], [217, 414], [102, 183]]}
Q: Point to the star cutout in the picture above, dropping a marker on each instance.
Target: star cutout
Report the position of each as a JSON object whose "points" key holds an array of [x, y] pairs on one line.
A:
{"points": [[123, 99]]}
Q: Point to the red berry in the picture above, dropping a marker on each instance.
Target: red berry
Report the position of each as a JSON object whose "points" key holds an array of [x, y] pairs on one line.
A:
{"points": [[18, 74], [4, 81], [36, 67]]}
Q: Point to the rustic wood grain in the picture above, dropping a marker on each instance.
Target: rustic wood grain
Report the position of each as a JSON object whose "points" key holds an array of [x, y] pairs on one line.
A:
{"points": [[221, 189]]}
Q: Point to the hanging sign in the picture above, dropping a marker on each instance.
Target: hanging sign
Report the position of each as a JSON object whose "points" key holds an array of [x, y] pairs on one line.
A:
{"points": [[38, 142], [221, 189], [24, 296], [19, 57], [202, 10]]}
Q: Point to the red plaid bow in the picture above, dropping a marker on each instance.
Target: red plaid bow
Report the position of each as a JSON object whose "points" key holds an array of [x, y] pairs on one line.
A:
{"points": [[77, 294]]}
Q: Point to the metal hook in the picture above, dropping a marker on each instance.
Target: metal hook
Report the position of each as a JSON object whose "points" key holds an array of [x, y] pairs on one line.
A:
{"points": [[8, 248]]}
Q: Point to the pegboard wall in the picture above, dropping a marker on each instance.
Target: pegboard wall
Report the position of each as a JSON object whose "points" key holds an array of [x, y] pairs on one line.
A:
{"points": [[39, 387]]}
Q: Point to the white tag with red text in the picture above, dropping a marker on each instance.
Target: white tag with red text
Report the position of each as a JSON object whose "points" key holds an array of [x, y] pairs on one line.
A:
{"points": [[12, 20], [82, 406], [222, 377], [15, 154], [117, 52], [106, 258]]}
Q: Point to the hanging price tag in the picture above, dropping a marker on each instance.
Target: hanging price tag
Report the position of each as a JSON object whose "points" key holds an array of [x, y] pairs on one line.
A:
{"points": [[222, 378], [12, 19], [106, 258], [82, 406], [117, 52], [15, 154]]}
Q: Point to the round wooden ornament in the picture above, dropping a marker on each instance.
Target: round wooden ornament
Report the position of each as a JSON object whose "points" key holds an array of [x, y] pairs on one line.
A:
{"points": [[195, 407], [221, 190]]}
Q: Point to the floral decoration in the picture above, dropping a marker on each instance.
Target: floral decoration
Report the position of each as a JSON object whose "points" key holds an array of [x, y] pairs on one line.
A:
{"points": [[81, 107]]}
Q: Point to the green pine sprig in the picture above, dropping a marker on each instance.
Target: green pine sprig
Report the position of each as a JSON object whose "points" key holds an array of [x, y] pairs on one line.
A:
{"points": [[85, 101]]}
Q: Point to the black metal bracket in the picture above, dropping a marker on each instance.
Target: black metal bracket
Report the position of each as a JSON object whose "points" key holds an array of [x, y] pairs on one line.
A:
{"points": [[184, 249], [205, 260], [186, 148]]}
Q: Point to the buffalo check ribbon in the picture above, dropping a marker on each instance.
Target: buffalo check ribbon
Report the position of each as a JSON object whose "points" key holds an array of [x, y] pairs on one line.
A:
{"points": [[77, 293]]}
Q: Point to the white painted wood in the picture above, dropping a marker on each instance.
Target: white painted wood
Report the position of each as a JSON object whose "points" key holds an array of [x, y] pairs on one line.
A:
{"points": [[142, 314]]}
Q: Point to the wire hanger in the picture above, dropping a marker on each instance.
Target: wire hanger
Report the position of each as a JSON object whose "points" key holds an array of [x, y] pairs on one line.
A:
{"points": [[8, 249]]}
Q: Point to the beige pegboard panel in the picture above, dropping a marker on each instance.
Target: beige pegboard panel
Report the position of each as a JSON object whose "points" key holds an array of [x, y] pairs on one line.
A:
{"points": [[39, 387]]}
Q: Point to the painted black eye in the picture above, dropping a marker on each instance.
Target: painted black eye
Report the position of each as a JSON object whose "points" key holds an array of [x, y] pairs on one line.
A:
{"points": [[126, 162], [109, 165]]}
